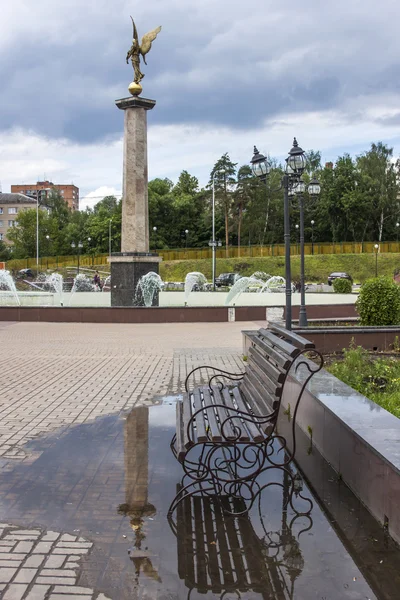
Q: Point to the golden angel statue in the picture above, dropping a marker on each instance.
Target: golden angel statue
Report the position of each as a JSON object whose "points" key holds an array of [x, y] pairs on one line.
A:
{"points": [[134, 54]]}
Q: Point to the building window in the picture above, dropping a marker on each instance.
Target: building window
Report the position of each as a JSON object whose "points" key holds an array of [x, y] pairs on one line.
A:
{"points": [[1, 224], [12, 210], [11, 223], [1, 236], [1, 211], [62, 192]]}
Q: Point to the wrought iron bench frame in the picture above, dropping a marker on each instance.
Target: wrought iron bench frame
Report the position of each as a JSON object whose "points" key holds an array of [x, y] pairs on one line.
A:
{"points": [[217, 419]]}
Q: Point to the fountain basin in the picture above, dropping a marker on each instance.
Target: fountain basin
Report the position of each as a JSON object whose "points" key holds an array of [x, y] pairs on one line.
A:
{"points": [[7, 298]]}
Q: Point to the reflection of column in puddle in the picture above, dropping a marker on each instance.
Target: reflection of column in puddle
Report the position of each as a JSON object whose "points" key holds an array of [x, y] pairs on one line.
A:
{"points": [[136, 507]]}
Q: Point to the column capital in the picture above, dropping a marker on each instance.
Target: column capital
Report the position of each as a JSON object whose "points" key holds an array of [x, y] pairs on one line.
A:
{"points": [[135, 102]]}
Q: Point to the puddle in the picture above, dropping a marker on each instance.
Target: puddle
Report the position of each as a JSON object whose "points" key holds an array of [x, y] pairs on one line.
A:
{"points": [[112, 481]]}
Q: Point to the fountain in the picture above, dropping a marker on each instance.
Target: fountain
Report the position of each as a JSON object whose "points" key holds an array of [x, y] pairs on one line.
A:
{"points": [[82, 283], [261, 275], [7, 283], [273, 284], [148, 286], [194, 279], [240, 286], [55, 282]]}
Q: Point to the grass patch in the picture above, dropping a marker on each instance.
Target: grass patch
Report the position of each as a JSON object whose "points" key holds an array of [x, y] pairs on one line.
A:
{"points": [[317, 267], [376, 378]]}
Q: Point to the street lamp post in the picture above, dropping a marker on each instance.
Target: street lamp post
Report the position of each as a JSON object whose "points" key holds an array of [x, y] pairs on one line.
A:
{"points": [[312, 236], [397, 232], [90, 253], [313, 189], [214, 243], [295, 165], [80, 246], [376, 259], [297, 234], [47, 251], [186, 236], [109, 239]]}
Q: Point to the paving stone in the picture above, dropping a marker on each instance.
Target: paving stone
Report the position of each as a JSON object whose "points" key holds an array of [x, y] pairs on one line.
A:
{"points": [[34, 561], [57, 573], [68, 538], [23, 547], [74, 545], [15, 591], [50, 536], [42, 548], [25, 575], [57, 580], [6, 574], [54, 562], [62, 589], [38, 592], [70, 550]]}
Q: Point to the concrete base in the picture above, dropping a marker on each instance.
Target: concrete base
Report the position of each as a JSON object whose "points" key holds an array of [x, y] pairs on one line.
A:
{"points": [[126, 270]]}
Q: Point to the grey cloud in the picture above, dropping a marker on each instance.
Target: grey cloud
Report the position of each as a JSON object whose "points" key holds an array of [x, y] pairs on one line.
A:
{"points": [[210, 64]]}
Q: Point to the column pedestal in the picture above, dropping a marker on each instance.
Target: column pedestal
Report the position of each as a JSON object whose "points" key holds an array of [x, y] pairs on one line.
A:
{"points": [[126, 270]]}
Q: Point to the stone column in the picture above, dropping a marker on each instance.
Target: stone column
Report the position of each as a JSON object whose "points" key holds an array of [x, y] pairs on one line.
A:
{"points": [[135, 259]]}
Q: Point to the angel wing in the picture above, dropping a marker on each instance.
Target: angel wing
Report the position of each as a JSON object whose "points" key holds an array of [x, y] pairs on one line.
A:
{"points": [[135, 34], [145, 46]]}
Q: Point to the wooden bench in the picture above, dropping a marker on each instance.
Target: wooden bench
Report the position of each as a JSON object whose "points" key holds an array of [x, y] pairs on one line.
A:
{"points": [[225, 554], [225, 429]]}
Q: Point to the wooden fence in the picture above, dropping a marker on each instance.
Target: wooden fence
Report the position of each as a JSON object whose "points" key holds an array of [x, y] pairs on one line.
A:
{"points": [[56, 262]]}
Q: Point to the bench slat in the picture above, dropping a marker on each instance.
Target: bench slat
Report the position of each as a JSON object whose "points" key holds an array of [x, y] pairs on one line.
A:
{"points": [[292, 337], [244, 437], [223, 546], [223, 414], [265, 401], [201, 549], [186, 416], [275, 373], [187, 520], [180, 434], [285, 347], [210, 413], [200, 423], [251, 427], [236, 545], [280, 359], [259, 399], [212, 565], [272, 386]]}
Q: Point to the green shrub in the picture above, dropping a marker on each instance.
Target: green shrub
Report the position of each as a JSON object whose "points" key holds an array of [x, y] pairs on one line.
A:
{"points": [[379, 302], [342, 286]]}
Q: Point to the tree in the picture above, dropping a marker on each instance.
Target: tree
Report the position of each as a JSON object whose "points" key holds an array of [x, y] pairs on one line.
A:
{"points": [[224, 172], [379, 183], [246, 184], [23, 234]]}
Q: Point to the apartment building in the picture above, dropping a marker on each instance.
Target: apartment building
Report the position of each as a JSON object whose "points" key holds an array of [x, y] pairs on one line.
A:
{"points": [[10, 206], [69, 192]]}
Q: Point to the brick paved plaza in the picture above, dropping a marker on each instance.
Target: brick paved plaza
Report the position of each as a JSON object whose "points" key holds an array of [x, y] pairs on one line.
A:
{"points": [[55, 376], [58, 374]]}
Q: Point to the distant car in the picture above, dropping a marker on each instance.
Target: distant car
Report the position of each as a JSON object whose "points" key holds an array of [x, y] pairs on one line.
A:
{"points": [[226, 279], [334, 276], [25, 274]]}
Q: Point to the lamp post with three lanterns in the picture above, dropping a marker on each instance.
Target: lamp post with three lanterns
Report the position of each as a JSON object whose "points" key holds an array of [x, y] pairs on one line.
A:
{"points": [[295, 165]]}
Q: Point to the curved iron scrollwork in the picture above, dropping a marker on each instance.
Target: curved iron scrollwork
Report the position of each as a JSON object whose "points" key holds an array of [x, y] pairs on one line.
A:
{"points": [[235, 465]]}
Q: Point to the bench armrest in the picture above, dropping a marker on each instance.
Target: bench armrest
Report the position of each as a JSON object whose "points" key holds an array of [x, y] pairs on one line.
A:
{"points": [[220, 373]]}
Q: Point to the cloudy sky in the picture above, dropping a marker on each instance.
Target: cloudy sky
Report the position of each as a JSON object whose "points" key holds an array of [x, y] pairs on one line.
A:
{"points": [[226, 74]]}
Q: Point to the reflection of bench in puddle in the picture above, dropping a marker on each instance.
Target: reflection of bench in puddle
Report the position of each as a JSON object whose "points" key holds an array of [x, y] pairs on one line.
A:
{"points": [[223, 554]]}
